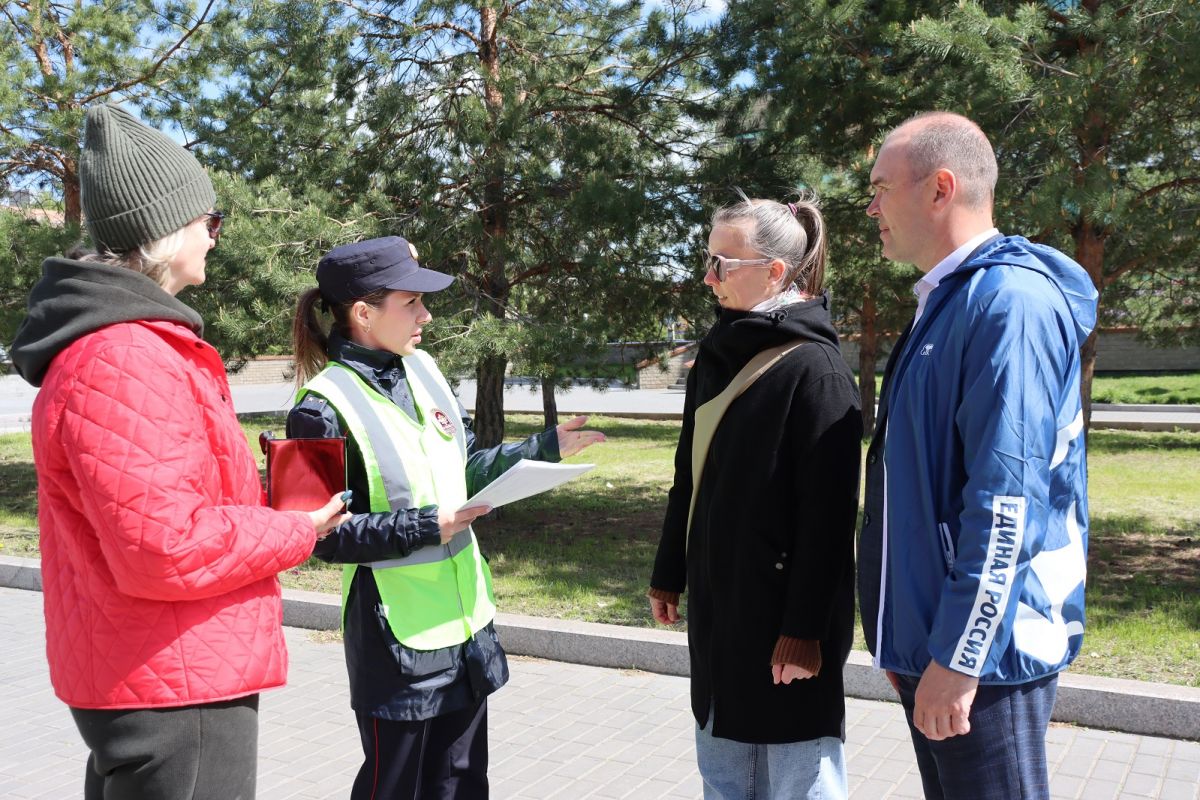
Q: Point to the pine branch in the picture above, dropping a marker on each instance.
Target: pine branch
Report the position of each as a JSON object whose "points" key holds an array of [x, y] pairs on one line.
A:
{"points": [[1178, 183], [148, 76], [410, 29], [262, 105]]}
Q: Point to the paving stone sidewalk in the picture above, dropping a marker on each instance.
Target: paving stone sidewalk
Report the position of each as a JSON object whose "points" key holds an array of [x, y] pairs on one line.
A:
{"points": [[557, 731]]}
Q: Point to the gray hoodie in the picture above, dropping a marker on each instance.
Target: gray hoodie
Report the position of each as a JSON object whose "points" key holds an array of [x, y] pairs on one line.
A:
{"points": [[74, 298]]}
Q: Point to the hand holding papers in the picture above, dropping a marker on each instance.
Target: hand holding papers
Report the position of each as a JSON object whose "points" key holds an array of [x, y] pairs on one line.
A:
{"points": [[525, 479], [451, 523]]}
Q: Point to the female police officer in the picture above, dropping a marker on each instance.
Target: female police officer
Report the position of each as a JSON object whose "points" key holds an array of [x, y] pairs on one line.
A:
{"points": [[417, 600]]}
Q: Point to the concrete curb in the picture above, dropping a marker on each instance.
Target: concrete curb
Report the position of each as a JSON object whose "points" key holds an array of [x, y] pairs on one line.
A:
{"points": [[1104, 417], [1151, 709], [21, 573], [1162, 408], [16, 423]]}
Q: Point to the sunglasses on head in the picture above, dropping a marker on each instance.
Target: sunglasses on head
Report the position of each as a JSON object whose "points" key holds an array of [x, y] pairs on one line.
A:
{"points": [[213, 222], [722, 266]]}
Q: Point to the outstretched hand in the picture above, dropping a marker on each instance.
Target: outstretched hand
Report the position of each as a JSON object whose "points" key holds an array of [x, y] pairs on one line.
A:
{"points": [[571, 439]]}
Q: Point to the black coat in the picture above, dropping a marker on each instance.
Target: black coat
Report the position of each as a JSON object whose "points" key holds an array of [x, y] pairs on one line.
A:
{"points": [[771, 550]]}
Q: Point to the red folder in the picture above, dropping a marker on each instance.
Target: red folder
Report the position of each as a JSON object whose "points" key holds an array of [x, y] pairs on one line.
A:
{"points": [[302, 474]]}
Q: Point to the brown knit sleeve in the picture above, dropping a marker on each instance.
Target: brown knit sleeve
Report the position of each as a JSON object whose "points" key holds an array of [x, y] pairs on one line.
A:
{"points": [[670, 598], [803, 653]]}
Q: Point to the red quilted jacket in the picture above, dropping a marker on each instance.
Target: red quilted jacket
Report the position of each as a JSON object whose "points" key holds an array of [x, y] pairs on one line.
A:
{"points": [[159, 562]]}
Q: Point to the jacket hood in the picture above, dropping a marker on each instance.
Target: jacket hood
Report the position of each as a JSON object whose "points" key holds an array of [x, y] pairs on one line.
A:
{"points": [[739, 335], [1070, 278], [74, 298]]}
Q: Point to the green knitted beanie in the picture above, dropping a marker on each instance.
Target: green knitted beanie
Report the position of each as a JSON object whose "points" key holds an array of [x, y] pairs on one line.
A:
{"points": [[136, 184]]}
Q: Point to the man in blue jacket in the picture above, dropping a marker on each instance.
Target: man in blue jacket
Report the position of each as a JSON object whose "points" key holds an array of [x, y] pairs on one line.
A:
{"points": [[974, 537]]}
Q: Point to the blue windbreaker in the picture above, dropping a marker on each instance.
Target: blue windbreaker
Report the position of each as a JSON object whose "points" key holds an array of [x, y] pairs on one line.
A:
{"points": [[974, 538]]}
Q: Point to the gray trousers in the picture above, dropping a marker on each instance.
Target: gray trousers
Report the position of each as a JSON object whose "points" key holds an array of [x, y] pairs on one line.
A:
{"points": [[201, 752]]}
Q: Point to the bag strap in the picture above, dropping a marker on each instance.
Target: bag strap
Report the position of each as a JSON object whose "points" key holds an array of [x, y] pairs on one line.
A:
{"points": [[708, 416]]}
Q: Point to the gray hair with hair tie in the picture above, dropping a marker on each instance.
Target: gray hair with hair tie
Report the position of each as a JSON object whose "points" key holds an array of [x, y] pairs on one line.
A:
{"points": [[792, 232]]}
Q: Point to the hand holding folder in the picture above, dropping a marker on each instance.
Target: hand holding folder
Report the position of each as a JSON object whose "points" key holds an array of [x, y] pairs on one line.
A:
{"points": [[302, 474]]}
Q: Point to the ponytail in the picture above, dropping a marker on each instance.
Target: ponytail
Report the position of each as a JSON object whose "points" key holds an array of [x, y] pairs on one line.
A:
{"points": [[309, 339], [809, 274]]}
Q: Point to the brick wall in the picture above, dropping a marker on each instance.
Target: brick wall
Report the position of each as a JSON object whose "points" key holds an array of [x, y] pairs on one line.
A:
{"points": [[265, 369], [850, 353], [652, 374], [1118, 350]]}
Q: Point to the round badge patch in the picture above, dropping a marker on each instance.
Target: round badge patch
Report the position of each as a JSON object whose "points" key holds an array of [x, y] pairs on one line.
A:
{"points": [[444, 422]]}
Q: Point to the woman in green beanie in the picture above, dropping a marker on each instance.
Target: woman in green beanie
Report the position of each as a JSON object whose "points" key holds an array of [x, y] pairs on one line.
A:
{"points": [[159, 558]]}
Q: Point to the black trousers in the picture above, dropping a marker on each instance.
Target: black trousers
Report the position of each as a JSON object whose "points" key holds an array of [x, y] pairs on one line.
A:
{"points": [[202, 752], [443, 758]]}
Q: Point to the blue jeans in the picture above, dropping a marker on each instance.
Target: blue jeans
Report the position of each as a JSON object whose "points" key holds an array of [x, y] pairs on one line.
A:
{"points": [[1004, 755], [813, 770]]}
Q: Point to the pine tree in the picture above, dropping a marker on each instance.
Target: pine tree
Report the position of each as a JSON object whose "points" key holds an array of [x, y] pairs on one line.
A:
{"points": [[167, 60], [283, 105], [26, 239], [63, 57], [820, 83], [1094, 111], [525, 146], [267, 255], [1092, 108]]}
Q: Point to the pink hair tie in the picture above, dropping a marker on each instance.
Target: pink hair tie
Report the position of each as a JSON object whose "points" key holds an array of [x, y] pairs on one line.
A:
{"points": [[792, 208]]}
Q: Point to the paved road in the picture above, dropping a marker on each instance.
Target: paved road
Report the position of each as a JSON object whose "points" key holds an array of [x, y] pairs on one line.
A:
{"points": [[557, 731], [16, 398]]}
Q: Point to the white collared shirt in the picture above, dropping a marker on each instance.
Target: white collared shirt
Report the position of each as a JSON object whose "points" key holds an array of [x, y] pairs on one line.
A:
{"points": [[924, 287]]}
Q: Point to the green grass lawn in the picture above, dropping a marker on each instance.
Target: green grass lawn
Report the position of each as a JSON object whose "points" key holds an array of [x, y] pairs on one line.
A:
{"points": [[584, 551], [1143, 600], [18, 496], [1150, 388], [1182, 387]]}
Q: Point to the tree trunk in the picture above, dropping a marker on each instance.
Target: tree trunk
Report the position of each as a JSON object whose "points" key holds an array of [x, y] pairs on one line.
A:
{"points": [[549, 404], [1089, 252], [1095, 136], [489, 400], [1088, 370], [868, 349], [73, 209], [490, 369]]}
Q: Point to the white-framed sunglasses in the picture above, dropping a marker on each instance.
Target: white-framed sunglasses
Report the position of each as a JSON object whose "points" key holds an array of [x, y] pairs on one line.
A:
{"points": [[722, 266]]}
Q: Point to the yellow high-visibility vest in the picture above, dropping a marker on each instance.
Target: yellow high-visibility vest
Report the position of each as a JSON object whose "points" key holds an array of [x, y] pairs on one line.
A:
{"points": [[439, 595]]}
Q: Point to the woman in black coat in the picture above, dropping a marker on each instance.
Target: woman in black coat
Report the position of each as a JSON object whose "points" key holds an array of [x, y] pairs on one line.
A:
{"points": [[768, 562]]}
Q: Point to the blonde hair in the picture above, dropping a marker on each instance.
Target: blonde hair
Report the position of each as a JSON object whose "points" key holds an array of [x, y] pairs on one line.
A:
{"points": [[151, 259], [794, 233]]}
